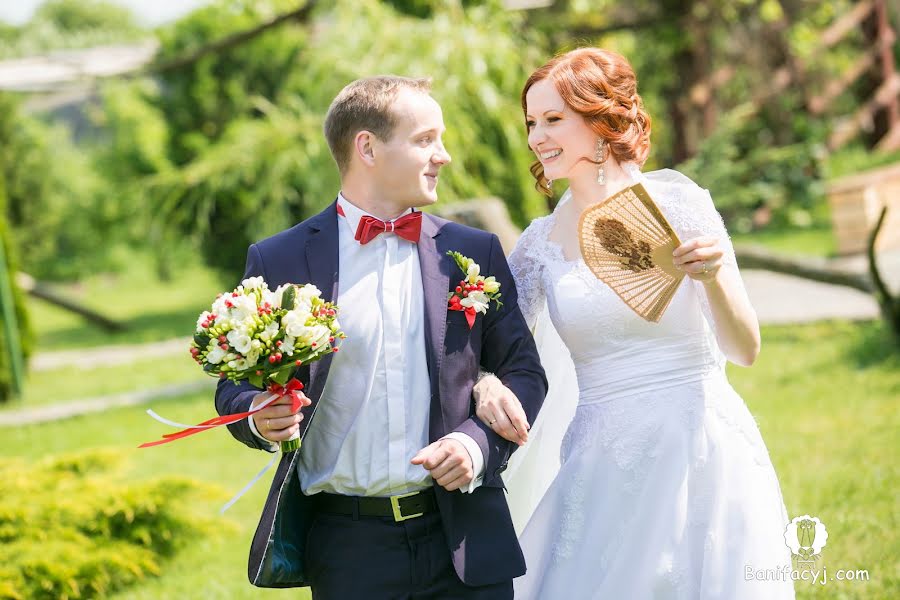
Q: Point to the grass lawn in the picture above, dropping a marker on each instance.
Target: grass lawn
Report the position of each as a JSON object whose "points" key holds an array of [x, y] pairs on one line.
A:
{"points": [[70, 383], [824, 395], [151, 309], [812, 241]]}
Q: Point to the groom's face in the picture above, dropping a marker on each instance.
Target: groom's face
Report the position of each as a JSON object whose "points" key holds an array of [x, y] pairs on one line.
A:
{"points": [[407, 164]]}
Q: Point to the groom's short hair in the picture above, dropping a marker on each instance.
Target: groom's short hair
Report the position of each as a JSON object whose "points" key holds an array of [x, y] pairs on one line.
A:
{"points": [[365, 105]]}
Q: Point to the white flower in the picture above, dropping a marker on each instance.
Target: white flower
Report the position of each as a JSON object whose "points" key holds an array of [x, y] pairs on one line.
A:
{"points": [[287, 345], [253, 357], [240, 364], [472, 271], [252, 283], [243, 309], [308, 292], [239, 340], [219, 307], [294, 321], [491, 286], [215, 354], [316, 334], [335, 326], [269, 332], [477, 300], [204, 316]]}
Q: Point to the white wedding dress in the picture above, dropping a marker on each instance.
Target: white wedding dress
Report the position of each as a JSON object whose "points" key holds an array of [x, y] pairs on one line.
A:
{"points": [[645, 476]]}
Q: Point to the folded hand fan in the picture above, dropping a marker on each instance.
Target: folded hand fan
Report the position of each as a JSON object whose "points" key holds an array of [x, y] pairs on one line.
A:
{"points": [[627, 243]]}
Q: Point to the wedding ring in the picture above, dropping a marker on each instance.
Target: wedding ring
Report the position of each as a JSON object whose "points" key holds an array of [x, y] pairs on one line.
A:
{"points": [[492, 421], [268, 427], [705, 268]]}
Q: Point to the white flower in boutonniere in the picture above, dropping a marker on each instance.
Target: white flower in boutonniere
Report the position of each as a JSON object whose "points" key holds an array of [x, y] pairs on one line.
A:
{"points": [[475, 293]]}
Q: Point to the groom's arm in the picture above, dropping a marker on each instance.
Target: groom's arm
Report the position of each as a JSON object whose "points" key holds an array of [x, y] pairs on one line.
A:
{"points": [[507, 350]]}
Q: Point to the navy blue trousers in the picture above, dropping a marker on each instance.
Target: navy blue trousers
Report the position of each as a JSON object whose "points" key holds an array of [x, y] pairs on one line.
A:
{"points": [[375, 558]]}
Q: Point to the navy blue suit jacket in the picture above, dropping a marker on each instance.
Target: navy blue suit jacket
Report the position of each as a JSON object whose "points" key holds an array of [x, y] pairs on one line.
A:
{"points": [[478, 526]]}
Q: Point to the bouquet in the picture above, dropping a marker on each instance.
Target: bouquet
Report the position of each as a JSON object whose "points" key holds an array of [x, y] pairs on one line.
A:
{"points": [[261, 336]]}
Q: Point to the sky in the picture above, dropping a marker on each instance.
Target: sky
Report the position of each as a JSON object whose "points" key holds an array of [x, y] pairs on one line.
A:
{"points": [[147, 12]]}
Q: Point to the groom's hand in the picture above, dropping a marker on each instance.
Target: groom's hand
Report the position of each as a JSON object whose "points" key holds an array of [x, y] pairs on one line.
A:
{"points": [[277, 422], [449, 463]]}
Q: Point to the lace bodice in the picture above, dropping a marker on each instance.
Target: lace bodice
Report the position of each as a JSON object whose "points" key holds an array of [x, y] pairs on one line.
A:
{"points": [[608, 342]]}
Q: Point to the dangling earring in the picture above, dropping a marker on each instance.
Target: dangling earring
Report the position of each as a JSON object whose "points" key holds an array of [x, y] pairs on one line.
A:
{"points": [[550, 184], [601, 175]]}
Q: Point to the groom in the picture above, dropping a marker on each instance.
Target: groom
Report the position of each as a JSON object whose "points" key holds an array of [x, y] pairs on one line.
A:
{"points": [[396, 490]]}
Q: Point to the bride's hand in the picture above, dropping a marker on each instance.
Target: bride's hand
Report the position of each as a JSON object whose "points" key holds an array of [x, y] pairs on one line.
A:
{"points": [[700, 258], [499, 409]]}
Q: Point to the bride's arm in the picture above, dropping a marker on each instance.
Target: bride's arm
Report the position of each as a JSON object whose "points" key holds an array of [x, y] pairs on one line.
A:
{"points": [[495, 404], [737, 327]]}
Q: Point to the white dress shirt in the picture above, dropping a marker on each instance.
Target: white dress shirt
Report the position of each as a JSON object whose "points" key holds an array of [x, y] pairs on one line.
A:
{"points": [[373, 415]]}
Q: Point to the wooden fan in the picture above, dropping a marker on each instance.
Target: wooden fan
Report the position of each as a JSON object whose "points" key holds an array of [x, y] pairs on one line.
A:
{"points": [[627, 243]]}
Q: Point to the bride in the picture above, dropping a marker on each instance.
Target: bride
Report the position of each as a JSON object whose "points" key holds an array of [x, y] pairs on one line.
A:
{"points": [[661, 486]]}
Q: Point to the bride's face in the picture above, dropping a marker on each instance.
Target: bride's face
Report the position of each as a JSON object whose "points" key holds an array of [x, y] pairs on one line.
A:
{"points": [[559, 137]]}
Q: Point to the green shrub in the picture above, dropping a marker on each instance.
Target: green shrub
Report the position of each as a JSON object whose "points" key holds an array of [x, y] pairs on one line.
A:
{"points": [[68, 529], [25, 336]]}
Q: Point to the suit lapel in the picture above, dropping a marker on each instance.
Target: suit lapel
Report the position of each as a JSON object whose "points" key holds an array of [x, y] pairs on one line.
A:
{"points": [[434, 265], [322, 264]]}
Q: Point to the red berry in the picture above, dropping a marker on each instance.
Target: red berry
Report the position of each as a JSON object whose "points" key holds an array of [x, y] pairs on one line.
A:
{"points": [[298, 363], [258, 372], [272, 360], [313, 344], [279, 343], [223, 339], [234, 294], [331, 340], [458, 289], [223, 346], [465, 294], [221, 375], [335, 349]]}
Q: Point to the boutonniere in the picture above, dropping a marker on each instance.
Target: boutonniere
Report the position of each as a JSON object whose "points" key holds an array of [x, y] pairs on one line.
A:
{"points": [[475, 292]]}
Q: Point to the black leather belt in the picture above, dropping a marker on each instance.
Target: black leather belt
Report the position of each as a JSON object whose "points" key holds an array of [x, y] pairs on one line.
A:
{"points": [[401, 508]]}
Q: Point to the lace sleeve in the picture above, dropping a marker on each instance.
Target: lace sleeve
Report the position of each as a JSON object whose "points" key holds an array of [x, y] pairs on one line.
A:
{"points": [[691, 212], [527, 270]]}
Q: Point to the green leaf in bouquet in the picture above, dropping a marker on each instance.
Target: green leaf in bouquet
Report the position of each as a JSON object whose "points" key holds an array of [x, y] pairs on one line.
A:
{"points": [[202, 340], [288, 297], [256, 380], [281, 376]]}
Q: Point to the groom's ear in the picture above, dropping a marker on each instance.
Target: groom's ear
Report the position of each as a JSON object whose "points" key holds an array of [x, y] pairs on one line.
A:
{"points": [[364, 146]]}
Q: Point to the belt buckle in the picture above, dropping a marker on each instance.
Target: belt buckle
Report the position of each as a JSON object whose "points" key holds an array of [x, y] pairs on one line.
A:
{"points": [[395, 506]]}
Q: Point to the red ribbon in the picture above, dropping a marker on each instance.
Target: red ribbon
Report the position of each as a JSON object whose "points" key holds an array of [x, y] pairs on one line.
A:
{"points": [[292, 389], [469, 310]]}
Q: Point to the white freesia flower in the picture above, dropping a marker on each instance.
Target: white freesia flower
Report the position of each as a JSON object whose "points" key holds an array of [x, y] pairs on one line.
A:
{"points": [[239, 340], [477, 300], [287, 345], [218, 307], [295, 321], [335, 326], [473, 271], [240, 364], [243, 309], [491, 286], [269, 332], [253, 356], [252, 283], [316, 334], [215, 355], [202, 319], [308, 292]]}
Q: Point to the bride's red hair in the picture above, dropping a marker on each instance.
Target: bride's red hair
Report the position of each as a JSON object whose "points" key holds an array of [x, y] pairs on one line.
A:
{"points": [[601, 86]]}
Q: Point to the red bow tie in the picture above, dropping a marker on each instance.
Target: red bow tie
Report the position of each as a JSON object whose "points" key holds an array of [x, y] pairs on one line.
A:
{"points": [[407, 227]]}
